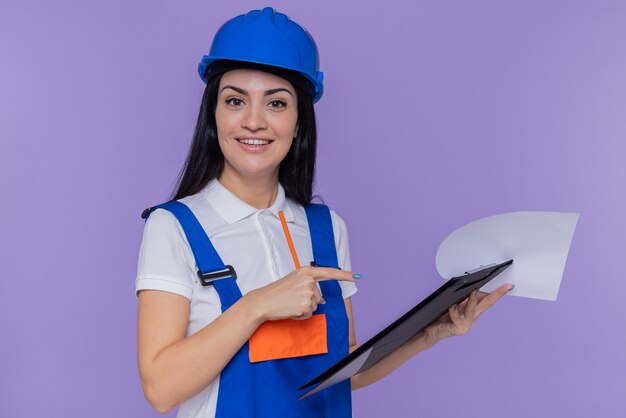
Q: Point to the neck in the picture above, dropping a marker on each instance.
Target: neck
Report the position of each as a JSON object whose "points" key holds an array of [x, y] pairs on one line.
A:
{"points": [[259, 192]]}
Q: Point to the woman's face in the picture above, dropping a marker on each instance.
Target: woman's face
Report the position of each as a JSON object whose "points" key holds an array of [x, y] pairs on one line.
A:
{"points": [[257, 116]]}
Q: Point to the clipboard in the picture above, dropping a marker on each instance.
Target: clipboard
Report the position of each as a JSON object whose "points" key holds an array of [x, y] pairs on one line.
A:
{"points": [[404, 328]]}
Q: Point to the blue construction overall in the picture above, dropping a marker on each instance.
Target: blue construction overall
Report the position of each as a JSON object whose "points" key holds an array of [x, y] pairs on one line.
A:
{"points": [[270, 388]]}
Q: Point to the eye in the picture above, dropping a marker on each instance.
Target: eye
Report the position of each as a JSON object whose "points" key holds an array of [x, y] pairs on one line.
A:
{"points": [[277, 104], [234, 101]]}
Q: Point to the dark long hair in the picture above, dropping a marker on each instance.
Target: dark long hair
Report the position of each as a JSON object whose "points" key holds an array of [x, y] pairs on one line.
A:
{"points": [[205, 160]]}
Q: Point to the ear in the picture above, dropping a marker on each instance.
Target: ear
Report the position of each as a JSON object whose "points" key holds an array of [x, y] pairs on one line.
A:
{"points": [[295, 133]]}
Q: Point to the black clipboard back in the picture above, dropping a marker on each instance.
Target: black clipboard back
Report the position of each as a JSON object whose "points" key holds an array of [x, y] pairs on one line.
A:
{"points": [[404, 328]]}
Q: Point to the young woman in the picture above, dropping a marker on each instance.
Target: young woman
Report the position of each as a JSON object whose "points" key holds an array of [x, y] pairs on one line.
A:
{"points": [[227, 326]]}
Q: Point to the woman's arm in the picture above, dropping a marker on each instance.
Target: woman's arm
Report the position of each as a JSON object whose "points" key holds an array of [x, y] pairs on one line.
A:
{"points": [[459, 319], [173, 368]]}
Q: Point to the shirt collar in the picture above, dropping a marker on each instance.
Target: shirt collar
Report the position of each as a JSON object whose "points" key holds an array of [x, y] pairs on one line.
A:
{"points": [[232, 209]]}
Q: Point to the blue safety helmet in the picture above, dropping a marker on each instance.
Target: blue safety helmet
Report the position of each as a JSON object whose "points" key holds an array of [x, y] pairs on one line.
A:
{"points": [[270, 38]]}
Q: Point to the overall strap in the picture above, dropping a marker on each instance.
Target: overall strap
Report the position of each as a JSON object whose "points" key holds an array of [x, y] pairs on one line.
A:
{"points": [[207, 259], [322, 236], [323, 242]]}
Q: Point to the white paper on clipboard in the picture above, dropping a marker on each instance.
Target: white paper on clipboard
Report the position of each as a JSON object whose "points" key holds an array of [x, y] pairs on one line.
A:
{"points": [[538, 242]]}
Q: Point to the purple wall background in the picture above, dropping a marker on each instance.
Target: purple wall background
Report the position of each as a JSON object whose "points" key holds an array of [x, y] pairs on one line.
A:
{"points": [[435, 114]]}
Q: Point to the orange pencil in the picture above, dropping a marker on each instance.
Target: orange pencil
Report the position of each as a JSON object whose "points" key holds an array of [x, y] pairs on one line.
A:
{"points": [[289, 241]]}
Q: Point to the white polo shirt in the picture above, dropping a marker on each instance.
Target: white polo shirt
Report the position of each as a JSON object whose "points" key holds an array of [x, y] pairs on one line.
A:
{"points": [[250, 239]]}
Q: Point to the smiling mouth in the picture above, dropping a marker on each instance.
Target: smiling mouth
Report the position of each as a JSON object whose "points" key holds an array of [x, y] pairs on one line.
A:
{"points": [[254, 142]]}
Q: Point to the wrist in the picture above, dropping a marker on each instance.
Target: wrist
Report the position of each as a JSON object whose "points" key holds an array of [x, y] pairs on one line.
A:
{"points": [[253, 308], [423, 341]]}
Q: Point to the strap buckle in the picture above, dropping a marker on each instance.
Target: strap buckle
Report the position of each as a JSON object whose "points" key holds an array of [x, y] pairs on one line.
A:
{"points": [[314, 264], [207, 279]]}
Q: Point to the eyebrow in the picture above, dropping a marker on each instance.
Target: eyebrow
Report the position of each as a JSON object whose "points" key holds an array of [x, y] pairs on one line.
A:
{"points": [[244, 92]]}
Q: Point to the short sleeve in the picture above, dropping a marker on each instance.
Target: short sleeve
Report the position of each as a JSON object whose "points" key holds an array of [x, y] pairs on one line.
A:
{"points": [[343, 252], [165, 258]]}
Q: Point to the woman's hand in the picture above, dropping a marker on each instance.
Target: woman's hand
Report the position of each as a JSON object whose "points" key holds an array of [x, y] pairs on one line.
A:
{"points": [[296, 295], [460, 318]]}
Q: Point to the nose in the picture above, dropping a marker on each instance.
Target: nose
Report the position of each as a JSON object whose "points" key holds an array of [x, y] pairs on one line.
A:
{"points": [[254, 118]]}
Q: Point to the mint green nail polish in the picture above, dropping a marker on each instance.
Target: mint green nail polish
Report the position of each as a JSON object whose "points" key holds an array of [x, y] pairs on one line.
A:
{"points": [[356, 276]]}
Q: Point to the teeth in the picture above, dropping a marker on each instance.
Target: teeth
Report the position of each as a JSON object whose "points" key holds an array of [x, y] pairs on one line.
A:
{"points": [[254, 141]]}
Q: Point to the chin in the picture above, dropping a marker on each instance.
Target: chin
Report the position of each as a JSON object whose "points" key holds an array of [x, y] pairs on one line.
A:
{"points": [[256, 171]]}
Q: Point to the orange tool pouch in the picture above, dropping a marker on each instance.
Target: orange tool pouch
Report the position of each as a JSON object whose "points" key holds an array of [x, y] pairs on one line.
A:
{"points": [[287, 338]]}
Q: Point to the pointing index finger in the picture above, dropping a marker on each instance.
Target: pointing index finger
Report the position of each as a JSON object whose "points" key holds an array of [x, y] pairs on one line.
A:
{"points": [[326, 273]]}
